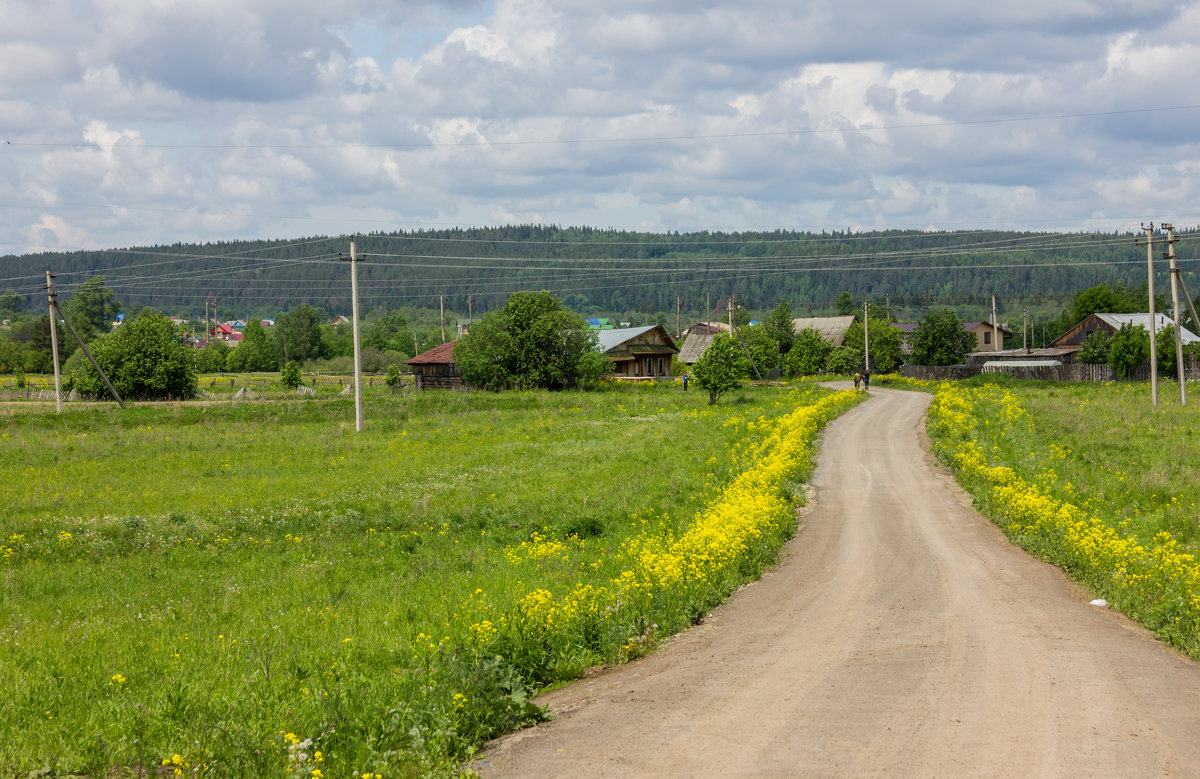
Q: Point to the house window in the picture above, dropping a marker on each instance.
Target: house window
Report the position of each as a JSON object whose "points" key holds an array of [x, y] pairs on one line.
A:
{"points": [[987, 337], [660, 366]]}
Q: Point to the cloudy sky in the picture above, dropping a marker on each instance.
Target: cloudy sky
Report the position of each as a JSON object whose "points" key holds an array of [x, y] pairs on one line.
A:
{"points": [[126, 122]]}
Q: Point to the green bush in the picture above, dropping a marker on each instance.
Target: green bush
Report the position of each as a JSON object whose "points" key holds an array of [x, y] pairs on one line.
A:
{"points": [[721, 367], [290, 375], [144, 359], [843, 359]]}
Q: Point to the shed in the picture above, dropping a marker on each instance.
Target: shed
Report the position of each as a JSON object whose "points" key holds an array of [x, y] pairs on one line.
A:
{"points": [[1111, 323], [437, 368], [832, 328], [693, 347], [638, 351]]}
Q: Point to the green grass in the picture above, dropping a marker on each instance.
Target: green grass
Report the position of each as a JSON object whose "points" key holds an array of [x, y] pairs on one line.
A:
{"points": [[1109, 450], [204, 581]]}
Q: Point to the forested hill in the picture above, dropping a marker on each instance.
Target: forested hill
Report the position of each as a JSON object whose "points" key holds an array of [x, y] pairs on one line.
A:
{"points": [[603, 270]]}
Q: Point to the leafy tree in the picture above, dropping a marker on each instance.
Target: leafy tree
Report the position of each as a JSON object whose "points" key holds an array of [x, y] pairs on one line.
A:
{"points": [[392, 379], [256, 352], [35, 334], [779, 325], [808, 354], [298, 335], [92, 301], [845, 304], [391, 333], [843, 359], [1164, 344], [11, 304], [213, 357], [533, 341], [886, 343], [291, 375], [763, 348], [721, 367], [1095, 349], [336, 342], [941, 339], [144, 359], [12, 356], [1128, 348]]}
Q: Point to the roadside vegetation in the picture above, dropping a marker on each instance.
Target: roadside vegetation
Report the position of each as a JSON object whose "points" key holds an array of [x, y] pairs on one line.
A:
{"points": [[254, 589], [1089, 477]]}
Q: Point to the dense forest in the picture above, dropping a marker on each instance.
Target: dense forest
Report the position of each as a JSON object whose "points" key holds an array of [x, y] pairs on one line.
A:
{"points": [[630, 275]]}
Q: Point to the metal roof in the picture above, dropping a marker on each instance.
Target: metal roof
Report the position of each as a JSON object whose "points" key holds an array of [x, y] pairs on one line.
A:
{"points": [[694, 346], [438, 354], [831, 328], [1143, 321], [610, 339]]}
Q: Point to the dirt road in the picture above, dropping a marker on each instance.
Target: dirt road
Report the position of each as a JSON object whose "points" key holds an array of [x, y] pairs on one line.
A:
{"points": [[902, 635]]}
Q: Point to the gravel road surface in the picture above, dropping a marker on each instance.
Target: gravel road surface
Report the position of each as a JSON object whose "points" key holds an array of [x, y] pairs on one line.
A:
{"points": [[902, 635]]}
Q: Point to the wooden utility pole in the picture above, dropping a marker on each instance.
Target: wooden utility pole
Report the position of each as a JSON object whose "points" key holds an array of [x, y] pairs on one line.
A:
{"points": [[995, 327], [50, 296], [442, 311], [1180, 368], [50, 293], [1150, 283], [470, 313], [678, 330], [1025, 330], [729, 308], [358, 401]]}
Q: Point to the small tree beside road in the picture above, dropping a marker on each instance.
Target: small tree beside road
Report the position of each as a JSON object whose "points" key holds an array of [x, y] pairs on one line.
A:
{"points": [[721, 367]]}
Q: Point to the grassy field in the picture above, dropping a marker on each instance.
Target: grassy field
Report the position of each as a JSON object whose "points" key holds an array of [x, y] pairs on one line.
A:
{"points": [[255, 589], [1092, 478]]}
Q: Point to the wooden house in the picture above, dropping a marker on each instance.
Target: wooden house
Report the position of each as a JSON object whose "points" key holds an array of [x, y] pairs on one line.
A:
{"points": [[437, 368], [1111, 323], [986, 338], [639, 352]]}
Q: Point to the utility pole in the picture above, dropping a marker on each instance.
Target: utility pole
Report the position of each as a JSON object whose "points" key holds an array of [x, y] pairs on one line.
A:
{"points": [[1180, 368], [442, 311], [995, 327], [358, 401], [50, 293], [470, 313], [678, 330], [1150, 283], [866, 338], [1025, 330], [729, 308]]}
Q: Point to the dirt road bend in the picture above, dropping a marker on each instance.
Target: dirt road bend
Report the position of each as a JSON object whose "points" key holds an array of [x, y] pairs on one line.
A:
{"points": [[902, 635]]}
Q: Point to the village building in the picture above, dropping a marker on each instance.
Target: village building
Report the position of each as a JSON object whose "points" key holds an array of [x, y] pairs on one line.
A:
{"points": [[987, 335], [1111, 323], [639, 352], [437, 368], [832, 328]]}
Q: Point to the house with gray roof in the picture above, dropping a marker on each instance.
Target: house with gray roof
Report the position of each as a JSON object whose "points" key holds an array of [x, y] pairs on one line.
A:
{"points": [[638, 352]]}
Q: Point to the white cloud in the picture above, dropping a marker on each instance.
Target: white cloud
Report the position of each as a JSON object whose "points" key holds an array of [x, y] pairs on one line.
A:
{"points": [[189, 121]]}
